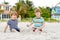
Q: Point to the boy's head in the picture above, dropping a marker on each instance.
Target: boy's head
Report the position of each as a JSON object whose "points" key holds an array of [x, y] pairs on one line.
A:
{"points": [[38, 13], [13, 15]]}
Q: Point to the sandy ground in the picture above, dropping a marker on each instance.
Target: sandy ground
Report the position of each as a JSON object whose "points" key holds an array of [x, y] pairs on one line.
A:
{"points": [[50, 32]]}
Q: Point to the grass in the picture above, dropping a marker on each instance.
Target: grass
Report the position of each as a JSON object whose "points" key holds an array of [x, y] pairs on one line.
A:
{"points": [[29, 20], [51, 20], [26, 20], [23, 20], [3, 20]]}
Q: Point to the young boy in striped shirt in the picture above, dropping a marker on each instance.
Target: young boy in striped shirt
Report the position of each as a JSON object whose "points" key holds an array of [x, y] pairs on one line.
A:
{"points": [[38, 21]]}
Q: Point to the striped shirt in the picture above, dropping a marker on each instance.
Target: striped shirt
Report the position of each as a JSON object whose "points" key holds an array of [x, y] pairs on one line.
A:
{"points": [[38, 21]]}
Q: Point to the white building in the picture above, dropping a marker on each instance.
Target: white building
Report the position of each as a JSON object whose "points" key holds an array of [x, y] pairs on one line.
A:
{"points": [[56, 12], [4, 11]]}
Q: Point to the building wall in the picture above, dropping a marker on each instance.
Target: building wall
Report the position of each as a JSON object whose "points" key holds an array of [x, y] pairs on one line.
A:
{"points": [[55, 13], [6, 9]]}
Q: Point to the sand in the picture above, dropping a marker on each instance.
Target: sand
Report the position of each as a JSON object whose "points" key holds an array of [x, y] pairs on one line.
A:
{"points": [[50, 32]]}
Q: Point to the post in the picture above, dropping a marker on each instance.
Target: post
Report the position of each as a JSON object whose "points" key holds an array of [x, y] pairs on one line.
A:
{"points": [[1, 16]]}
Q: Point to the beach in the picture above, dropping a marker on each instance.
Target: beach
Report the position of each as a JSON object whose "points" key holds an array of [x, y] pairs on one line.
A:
{"points": [[51, 32]]}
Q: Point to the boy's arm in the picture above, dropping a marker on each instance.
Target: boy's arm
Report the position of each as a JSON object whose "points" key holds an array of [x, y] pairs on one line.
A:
{"points": [[29, 24], [42, 26], [5, 28]]}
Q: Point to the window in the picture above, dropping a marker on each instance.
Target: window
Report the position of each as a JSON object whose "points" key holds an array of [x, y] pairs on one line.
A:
{"points": [[7, 8]]}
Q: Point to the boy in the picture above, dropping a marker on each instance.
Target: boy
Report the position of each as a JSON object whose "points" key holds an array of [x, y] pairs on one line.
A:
{"points": [[38, 21], [12, 22]]}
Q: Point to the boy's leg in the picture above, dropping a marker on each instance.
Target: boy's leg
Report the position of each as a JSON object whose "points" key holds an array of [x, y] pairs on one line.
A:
{"points": [[34, 29], [11, 30], [17, 29], [40, 29]]}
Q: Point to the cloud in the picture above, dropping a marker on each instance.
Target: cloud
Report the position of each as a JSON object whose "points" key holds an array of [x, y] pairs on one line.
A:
{"points": [[45, 3], [37, 3]]}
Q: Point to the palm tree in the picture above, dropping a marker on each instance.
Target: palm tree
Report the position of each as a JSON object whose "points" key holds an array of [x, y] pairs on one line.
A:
{"points": [[21, 8], [24, 7]]}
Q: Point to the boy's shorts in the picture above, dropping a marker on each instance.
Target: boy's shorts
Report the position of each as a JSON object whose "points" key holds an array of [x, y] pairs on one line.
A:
{"points": [[17, 29], [37, 27]]}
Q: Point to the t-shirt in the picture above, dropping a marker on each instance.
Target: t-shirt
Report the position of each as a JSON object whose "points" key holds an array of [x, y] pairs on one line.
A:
{"points": [[12, 24], [38, 21]]}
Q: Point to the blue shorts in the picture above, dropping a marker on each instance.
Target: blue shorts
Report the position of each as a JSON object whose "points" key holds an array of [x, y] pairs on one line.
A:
{"points": [[17, 29]]}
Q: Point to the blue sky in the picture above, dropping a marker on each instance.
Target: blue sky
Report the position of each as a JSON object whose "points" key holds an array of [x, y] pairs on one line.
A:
{"points": [[36, 3]]}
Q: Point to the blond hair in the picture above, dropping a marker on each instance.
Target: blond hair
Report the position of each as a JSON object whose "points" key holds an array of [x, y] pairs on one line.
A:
{"points": [[37, 10], [13, 13]]}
